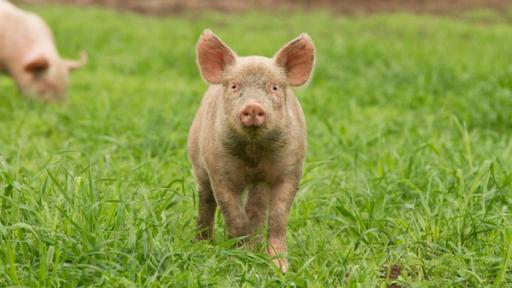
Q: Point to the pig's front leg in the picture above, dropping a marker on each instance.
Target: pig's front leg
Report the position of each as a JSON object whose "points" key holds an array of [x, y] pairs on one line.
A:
{"points": [[256, 209], [228, 197], [280, 204], [207, 207]]}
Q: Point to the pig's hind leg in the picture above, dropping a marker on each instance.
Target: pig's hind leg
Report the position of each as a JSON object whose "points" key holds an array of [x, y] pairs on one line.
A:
{"points": [[207, 207]]}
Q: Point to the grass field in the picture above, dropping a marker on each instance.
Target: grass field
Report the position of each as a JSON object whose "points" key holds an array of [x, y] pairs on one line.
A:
{"points": [[409, 162]]}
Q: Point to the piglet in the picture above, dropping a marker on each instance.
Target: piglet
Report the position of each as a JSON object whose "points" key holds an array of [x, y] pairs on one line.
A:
{"points": [[28, 54], [249, 134]]}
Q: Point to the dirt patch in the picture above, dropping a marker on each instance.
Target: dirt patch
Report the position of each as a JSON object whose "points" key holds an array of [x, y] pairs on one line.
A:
{"points": [[165, 7], [391, 273]]}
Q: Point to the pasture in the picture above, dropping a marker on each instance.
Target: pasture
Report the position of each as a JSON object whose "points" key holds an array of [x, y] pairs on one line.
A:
{"points": [[408, 169]]}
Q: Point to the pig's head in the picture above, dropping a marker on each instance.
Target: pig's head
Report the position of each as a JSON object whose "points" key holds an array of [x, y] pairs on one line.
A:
{"points": [[48, 78], [256, 90]]}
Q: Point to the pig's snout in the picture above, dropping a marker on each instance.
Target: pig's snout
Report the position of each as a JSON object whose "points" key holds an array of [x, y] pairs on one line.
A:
{"points": [[252, 115]]}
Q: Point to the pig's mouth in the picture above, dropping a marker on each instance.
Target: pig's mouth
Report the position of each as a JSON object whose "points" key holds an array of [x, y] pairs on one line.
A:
{"points": [[248, 133], [236, 137], [46, 92], [254, 131]]}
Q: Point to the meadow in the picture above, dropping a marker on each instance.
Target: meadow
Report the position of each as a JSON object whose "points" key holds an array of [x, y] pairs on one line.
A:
{"points": [[408, 169]]}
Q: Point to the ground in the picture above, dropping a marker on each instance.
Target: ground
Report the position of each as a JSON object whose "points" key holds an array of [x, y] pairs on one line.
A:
{"points": [[407, 180]]}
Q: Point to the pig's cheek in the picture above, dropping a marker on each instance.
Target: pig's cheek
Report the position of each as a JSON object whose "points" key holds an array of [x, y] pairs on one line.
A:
{"points": [[279, 113], [43, 88], [38, 87], [229, 108], [276, 98], [275, 109]]}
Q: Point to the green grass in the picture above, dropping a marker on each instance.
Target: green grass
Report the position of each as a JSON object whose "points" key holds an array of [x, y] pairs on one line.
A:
{"points": [[409, 159]]}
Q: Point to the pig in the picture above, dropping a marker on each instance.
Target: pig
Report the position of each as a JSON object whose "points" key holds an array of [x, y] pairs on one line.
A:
{"points": [[249, 134], [28, 54]]}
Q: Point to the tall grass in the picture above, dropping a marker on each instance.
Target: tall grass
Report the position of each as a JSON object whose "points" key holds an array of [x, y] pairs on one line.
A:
{"points": [[409, 160]]}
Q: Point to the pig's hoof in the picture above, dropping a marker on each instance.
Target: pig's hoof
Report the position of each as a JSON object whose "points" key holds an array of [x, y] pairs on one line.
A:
{"points": [[281, 263], [200, 238], [242, 241], [204, 235], [255, 245]]}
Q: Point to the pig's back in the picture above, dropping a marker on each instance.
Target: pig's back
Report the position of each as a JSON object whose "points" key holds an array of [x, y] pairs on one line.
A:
{"points": [[20, 33]]}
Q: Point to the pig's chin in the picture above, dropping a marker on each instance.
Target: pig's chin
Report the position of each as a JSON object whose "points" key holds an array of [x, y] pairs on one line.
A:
{"points": [[251, 133]]}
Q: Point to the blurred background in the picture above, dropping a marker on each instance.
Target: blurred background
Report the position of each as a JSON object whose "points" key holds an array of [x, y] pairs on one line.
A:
{"points": [[163, 7]]}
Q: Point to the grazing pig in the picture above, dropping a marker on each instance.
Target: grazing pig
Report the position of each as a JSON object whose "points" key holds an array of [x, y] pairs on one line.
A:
{"points": [[28, 54], [250, 133]]}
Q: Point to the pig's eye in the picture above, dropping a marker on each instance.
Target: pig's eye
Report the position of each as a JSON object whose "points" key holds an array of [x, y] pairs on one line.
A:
{"points": [[233, 86], [274, 88]]}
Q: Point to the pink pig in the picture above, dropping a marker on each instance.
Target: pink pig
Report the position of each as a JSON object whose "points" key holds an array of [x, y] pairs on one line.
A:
{"points": [[250, 134], [28, 54]]}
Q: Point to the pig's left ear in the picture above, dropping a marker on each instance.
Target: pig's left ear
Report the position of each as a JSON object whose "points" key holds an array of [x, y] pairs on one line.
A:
{"points": [[37, 65], [75, 64], [297, 58]]}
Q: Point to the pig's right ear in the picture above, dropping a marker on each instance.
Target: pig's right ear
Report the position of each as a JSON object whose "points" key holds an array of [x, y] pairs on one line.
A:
{"points": [[37, 65], [213, 56]]}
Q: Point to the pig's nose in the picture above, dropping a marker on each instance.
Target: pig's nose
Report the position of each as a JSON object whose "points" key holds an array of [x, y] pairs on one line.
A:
{"points": [[252, 115]]}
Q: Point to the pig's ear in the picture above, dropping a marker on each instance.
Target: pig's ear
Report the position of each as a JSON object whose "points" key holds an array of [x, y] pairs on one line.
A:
{"points": [[37, 65], [213, 56], [75, 64], [297, 58]]}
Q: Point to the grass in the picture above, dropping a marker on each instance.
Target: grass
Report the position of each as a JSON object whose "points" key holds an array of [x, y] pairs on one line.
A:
{"points": [[409, 122]]}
